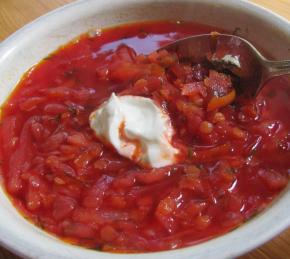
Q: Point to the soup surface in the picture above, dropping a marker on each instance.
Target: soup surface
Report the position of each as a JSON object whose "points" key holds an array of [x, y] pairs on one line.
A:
{"points": [[234, 153]]}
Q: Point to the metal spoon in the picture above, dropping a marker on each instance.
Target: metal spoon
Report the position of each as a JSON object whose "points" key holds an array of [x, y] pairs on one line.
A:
{"points": [[231, 54]]}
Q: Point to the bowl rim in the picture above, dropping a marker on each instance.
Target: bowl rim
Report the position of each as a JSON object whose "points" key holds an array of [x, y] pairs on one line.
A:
{"points": [[27, 252]]}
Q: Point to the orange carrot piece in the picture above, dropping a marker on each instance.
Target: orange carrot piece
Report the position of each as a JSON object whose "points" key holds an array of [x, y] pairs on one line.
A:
{"points": [[218, 102]]}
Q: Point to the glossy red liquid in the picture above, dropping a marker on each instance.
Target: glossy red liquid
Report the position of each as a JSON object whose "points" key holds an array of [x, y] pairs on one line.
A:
{"points": [[235, 159]]}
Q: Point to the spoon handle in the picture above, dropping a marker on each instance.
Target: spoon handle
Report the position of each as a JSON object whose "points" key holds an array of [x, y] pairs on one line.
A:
{"points": [[276, 68]]}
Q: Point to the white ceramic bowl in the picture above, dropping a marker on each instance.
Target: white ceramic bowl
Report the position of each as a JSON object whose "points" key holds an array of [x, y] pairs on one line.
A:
{"points": [[30, 44]]}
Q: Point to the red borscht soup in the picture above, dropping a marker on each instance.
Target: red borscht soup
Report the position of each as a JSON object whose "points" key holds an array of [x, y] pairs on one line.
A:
{"points": [[234, 153]]}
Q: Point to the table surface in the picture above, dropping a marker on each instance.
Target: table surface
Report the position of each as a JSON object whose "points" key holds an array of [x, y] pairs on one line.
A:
{"points": [[15, 13]]}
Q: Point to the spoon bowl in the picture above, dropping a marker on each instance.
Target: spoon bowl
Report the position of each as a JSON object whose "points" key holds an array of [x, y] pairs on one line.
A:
{"points": [[231, 54]]}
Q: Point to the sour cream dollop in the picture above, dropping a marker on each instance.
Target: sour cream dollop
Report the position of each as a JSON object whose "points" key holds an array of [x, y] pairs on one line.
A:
{"points": [[137, 128]]}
